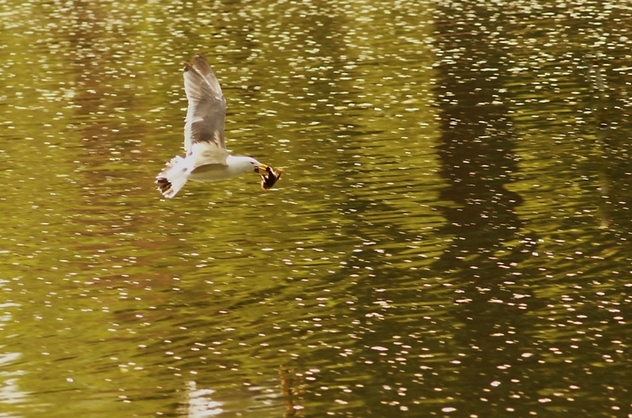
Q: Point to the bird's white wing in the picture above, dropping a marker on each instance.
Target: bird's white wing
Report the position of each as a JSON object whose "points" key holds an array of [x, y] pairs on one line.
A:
{"points": [[204, 127]]}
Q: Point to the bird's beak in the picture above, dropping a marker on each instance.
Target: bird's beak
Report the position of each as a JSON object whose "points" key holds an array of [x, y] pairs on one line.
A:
{"points": [[262, 167]]}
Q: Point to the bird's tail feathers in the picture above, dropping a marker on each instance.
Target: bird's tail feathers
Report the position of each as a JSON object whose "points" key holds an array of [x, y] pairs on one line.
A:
{"points": [[173, 177]]}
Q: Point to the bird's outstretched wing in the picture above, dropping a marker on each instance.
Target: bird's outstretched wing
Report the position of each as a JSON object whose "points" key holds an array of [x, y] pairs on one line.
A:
{"points": [[207, 108]]}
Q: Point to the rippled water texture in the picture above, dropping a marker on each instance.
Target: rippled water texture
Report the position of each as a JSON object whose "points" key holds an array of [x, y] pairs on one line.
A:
{"points": [[451, 236]]}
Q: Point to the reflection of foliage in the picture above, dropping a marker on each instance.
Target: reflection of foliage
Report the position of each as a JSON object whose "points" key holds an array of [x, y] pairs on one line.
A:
{"points": [[292, 386]]}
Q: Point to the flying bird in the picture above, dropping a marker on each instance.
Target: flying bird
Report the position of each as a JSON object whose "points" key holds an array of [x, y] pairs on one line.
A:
{"points": [[207, 158]]}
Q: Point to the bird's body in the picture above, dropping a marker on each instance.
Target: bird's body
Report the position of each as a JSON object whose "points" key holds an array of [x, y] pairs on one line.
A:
{"points": [[207, 158]]}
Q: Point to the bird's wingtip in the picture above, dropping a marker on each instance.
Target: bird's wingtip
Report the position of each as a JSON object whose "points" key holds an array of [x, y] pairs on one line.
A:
{"points": [[197, 59]]}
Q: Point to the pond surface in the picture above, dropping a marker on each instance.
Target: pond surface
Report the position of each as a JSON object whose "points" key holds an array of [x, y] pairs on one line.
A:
{"points": [[451, 237]]}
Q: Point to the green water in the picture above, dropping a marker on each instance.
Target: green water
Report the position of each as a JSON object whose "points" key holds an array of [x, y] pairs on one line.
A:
{"points": [[451, 236]]}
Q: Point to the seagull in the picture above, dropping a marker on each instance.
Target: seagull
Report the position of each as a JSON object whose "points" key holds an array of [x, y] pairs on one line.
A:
{"points": [[207, 158]]}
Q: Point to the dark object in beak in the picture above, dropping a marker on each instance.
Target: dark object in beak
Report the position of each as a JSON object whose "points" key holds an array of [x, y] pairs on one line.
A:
{"points": [[268, 177]]}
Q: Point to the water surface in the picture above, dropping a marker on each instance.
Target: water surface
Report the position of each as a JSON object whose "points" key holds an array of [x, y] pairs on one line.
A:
{"points": [[450, 237]]}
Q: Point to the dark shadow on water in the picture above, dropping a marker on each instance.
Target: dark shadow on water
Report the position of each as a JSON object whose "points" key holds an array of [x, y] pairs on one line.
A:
{"points": [[487, 241]]}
